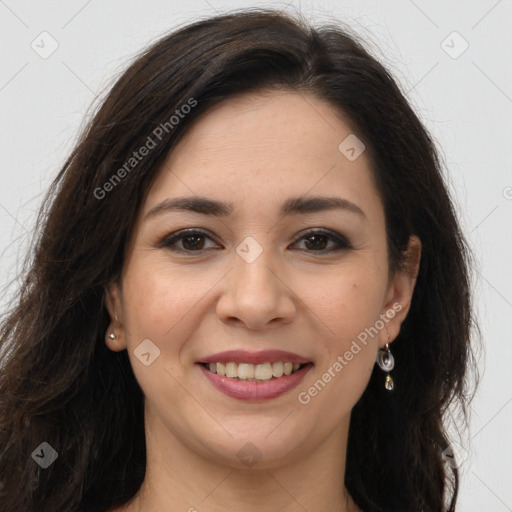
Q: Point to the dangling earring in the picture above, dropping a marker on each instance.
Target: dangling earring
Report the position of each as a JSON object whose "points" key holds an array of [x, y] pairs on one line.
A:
{"points": [[386, 362]]}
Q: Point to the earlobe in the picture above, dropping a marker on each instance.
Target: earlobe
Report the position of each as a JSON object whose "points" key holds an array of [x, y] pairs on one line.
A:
{"points": [[114, 342], [114, 337], [401, 289]]}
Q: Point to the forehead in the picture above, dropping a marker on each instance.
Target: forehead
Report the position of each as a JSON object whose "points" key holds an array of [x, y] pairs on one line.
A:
{"points": [[259, 149]]}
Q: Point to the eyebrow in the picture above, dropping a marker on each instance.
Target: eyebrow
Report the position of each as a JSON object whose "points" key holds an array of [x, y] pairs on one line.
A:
{"points": [[292, 206]]}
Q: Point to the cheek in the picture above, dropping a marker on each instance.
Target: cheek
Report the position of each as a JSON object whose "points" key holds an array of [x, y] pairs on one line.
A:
{"points": [[160, 298], [348, 310], [159, 305], [347, 301]]}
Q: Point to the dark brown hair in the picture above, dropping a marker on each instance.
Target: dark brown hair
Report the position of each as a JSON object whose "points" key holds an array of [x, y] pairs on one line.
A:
{"points": [[60, 383]]}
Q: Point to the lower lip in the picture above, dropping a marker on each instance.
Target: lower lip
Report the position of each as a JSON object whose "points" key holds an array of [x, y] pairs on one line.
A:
{"points": [[256, 391]]}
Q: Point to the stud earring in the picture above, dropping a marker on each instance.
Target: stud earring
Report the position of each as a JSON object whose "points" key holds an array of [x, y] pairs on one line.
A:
{"points": [[386, 362], [112, 335]]}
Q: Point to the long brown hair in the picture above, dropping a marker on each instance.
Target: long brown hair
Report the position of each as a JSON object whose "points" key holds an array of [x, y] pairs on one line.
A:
{"points": [[60, 384]]}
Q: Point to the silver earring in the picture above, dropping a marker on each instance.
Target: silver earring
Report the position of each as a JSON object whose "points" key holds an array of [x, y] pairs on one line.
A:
{"points": [[386, 362]]}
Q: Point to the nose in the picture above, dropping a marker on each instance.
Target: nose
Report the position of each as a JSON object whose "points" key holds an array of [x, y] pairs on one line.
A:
{"points": [[256, 295]]}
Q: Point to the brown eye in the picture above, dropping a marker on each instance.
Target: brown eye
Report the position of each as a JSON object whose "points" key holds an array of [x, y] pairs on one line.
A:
{"points": [[190, 240], [193, 242], [316, 242], [319, 240]]}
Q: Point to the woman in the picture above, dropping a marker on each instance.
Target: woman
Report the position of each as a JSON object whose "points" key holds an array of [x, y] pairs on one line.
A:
{"points": [[249, 291]]}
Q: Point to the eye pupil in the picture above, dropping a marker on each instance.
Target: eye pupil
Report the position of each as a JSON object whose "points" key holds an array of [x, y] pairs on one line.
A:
{"points": [[318, 242], [193, 241]]}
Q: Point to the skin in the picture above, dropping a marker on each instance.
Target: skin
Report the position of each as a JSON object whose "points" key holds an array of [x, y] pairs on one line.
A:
{"points": [[256, 151]]}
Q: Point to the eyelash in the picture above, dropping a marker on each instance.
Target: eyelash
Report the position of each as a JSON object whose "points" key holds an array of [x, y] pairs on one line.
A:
{"points": [[169, 240]]}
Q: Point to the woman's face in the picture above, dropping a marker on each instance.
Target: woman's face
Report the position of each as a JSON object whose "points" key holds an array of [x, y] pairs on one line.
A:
{"points": [[285, 250]]}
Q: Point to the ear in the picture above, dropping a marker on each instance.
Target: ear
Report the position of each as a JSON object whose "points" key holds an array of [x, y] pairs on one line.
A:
{"points": [[113, 305], [400, 290]]}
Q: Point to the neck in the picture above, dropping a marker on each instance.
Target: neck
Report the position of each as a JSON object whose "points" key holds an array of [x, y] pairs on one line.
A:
{"points": [[178, 478]]}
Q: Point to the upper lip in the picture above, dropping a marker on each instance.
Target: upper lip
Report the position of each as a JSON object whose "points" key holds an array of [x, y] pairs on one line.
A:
{"points": [[263, 356]]}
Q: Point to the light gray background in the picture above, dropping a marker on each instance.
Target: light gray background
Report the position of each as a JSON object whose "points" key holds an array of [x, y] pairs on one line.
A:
{"points": [[466, 102]]}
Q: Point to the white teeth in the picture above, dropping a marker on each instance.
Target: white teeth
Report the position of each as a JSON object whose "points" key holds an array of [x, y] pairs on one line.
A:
{"points": [[221, 369], [263, 371], [246, 371], [231, 370], [277, 369], [251, 372]]}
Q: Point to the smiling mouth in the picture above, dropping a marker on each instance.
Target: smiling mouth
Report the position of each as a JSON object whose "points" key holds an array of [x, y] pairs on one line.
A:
{"points": [[247, 372]]}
